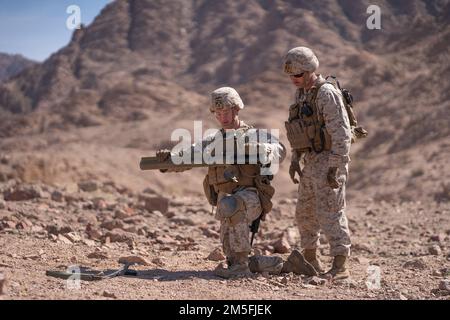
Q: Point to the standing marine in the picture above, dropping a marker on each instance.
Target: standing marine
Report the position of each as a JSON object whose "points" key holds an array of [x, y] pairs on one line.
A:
{"points": [[320, 136]]}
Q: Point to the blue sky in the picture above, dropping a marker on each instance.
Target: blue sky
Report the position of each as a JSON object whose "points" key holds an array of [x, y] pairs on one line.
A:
{"points": [[37, 28]]}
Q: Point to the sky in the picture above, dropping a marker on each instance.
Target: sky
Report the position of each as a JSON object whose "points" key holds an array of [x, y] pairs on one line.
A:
{"points": [[37, 28]]}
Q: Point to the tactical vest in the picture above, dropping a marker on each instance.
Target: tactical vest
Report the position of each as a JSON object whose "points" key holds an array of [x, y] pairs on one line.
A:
{"points": [[228, 178], [305, 127]]}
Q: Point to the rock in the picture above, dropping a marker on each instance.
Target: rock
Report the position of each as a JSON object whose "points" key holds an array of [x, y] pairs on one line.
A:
{"points": [[281, 246], [285, 201], [88, 186], [118, 235], [169, 214], [159, 262], [123, 213], [87, 218], [402, 297], [371, 213], [72, 198], [183, 221], [112, 224], [2, 283], [93, 233], [315, 281], [435, 250], [165, 239], [73, 236], [5, 159], [24, 224], [362, 260], [437, 237], [216, 255], [444, 285], [57, 229], [415, 264], [157, 203], [134, 220], [208, 232], [22, 193], [2, 204], [99, 204], [98, 255], [108, 294], [63, 239], [149, 190], [131, 229], [7, 224], [362, 247], [157, 214], [292, 235], [57, 196], [88, 242], [134, 260]]}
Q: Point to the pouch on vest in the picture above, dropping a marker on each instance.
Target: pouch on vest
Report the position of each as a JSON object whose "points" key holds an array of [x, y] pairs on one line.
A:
{"points": [[297, 135], [210, 193], [265, 193]]}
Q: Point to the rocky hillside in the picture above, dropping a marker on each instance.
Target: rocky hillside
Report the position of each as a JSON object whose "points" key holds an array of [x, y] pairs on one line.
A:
{"points": [[143, 60], [11, 65]]}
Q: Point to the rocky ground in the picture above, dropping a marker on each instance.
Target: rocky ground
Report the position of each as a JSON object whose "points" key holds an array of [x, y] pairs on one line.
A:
{"points": [[92, 224]]}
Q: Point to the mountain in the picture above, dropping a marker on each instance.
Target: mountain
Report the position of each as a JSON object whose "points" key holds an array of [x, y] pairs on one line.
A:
{"points": [[11, 65], [147, 67]]}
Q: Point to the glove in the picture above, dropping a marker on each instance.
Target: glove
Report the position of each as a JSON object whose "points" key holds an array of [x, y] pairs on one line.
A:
{"points": [[293, 168], [332, 178], [162, 156]]}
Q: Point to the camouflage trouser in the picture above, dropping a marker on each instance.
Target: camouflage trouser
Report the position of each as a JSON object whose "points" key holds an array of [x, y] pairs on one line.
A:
{"points": [[320, 207], [235, 237]]}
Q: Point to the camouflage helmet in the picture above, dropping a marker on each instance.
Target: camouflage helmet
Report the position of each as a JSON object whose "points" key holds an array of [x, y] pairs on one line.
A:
{"points": [[300, 59], [225, 97]]}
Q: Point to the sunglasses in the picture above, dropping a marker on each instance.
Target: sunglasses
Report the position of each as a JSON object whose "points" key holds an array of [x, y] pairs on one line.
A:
{"points": [[298, 75]]}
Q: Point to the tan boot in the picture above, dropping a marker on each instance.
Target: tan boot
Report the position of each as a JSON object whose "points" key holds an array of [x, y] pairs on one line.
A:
{"points": [[238, 268], [338, 271], [311, 256], [297, 263]]}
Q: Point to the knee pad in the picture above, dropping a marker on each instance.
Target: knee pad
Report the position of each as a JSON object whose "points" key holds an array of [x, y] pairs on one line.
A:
{"points": [[229, 208]]}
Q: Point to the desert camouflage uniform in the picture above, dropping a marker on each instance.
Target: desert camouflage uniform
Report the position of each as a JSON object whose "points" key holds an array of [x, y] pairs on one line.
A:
{"points": [[235, 237], [235, 232], [320, 207]]}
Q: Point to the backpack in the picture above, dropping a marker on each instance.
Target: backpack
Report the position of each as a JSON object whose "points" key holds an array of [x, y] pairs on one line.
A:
{"points": [[358, 132]]}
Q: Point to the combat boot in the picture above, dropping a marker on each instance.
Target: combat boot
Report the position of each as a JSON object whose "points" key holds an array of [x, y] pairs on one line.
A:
{"points": [[311, 256], [338, 271], [238, 268], [297, 263]]}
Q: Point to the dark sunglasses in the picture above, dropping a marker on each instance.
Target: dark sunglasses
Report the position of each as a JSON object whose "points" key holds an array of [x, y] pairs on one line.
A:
{"points": [[298, 75]]}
